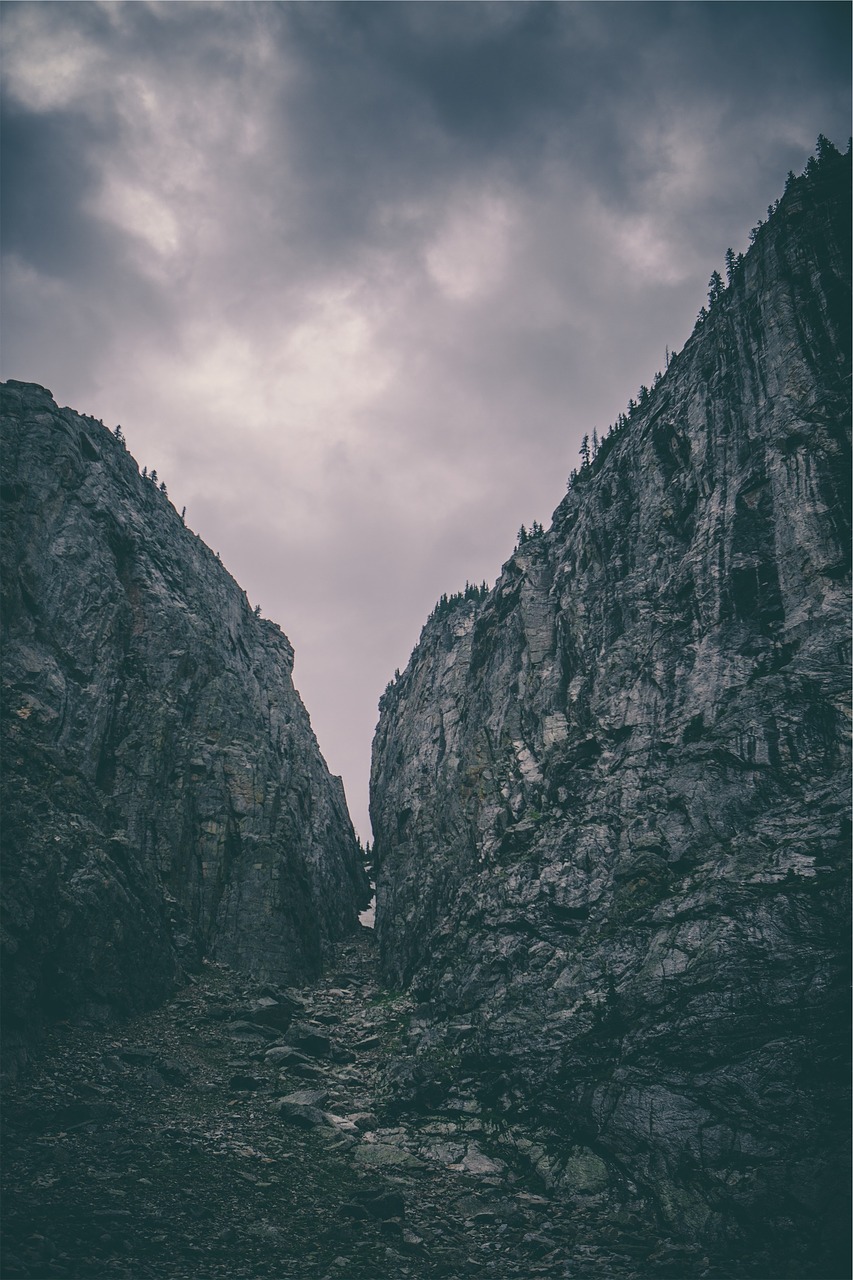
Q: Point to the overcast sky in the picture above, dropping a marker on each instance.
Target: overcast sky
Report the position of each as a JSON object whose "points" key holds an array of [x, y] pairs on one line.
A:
{"points": [[356, 278]]}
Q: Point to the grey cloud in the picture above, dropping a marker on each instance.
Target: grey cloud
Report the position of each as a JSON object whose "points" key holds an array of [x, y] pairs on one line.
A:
{"points": [[48, 173], [356, 277]]}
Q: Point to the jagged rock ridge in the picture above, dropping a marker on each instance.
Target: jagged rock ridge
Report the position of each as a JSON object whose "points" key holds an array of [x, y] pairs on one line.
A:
{"points": [[165, 797], [610, 801]]}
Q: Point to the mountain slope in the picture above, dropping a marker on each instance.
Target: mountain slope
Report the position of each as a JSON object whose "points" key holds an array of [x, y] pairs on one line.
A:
{"points": [[165, 798], [610, 801]]}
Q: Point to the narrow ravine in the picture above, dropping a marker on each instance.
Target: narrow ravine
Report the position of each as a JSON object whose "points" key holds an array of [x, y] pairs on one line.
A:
{"points": [[243, 1130]]}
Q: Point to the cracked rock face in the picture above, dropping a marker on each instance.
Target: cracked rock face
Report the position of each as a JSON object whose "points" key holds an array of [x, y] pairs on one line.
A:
{"points": [[165, 795], [610, 800]]}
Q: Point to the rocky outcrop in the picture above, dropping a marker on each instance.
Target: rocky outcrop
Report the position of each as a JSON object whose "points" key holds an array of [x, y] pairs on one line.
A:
{"points": [[165, 797], [610, 800]]}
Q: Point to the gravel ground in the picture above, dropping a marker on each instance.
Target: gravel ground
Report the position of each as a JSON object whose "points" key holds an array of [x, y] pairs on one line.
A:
{"points": [[204, 1140]]}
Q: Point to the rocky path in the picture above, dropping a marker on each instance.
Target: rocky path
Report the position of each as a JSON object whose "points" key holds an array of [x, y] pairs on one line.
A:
{"points": [[244, 1131]]}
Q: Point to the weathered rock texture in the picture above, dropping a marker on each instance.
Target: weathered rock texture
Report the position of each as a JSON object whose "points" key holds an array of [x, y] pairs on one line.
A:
{"points": [[610, 801], [165, 797]]}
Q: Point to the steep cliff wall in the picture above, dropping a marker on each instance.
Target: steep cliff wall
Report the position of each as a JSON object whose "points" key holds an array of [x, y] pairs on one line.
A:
{"points": [[165, 797], [610, 801]]}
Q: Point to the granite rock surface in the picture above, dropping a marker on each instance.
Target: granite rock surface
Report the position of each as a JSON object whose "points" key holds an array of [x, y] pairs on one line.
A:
{"points": [[610, 800], [165, 797]]}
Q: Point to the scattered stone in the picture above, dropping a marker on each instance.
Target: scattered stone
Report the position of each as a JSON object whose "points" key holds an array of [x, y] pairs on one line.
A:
{"points": [[245, 1084], [382, 1204], [242, 1030], [382, 1155], [538, 1243], [363, 1120], [477, 1162], [412, 1241], [304, 1108], [585, 1173], [138, 1056], [309, 1040], [448, 1153], [267, 1012], [370, 1042], [173, 1072], [306, 1070], [285, 1055], [351, 1209]]}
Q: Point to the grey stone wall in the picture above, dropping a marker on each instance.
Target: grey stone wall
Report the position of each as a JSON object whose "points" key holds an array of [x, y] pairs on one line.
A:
{"points": [[165, 797], [611, 800]]}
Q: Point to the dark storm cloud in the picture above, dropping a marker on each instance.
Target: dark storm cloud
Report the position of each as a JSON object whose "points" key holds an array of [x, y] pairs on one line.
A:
{"points": [[356, 277], [409, 95], [47, 172]]}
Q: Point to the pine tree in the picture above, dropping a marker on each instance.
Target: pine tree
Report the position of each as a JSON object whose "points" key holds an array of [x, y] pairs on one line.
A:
{"points": [[715, 288], [594, 443], [144, 473], [153, 476], [730, 266], [584, 452], [825, 150], [163, 488]]}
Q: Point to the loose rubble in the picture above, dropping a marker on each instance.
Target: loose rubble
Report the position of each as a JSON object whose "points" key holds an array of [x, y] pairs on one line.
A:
{"points": [[191, 1142]]}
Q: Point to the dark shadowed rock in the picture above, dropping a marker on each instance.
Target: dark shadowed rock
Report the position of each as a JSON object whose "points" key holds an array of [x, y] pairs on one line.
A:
{"points": [[309, 1040], [304, 1108], [241, 1030], [381, 1204], [611, 799], [245, 1084], [164, 795], [267, 1013], [284, 1055]]}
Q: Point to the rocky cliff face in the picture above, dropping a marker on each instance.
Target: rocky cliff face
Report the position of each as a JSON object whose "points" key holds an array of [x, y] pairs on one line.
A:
{"points": [[610, 801], [165, 798]]}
